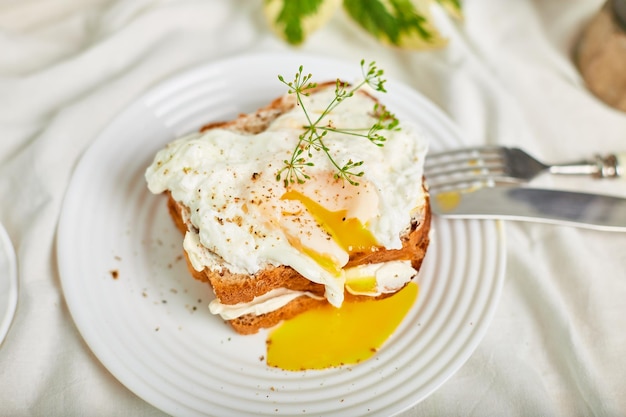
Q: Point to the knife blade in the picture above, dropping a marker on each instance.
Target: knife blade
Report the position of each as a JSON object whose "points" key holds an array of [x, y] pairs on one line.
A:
{"points": [[593, 211]]}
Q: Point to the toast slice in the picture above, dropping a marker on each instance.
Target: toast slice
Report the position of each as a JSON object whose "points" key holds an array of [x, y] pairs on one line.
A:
{"points": [[232, 288]]}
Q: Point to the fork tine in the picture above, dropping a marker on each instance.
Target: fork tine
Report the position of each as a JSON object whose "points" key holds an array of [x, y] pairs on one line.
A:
{"points": [[467, 168], [495, 165], [470, 182], [467, 161], [466, 149], [465, 153]]}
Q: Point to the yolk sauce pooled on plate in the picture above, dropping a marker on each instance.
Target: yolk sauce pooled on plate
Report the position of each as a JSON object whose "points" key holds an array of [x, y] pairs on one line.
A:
{"points": [[328, 337]]}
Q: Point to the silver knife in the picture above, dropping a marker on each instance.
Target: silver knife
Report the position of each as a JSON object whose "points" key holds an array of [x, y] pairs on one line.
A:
{"points": [[593, 211]]}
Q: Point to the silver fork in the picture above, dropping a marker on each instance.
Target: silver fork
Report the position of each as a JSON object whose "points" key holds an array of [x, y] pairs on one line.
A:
{"points": [[497, 165]]}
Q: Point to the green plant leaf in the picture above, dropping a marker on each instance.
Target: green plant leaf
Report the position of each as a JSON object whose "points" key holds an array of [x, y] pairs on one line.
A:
{"points": [[294, 20], [403, 23], [453, 7]]}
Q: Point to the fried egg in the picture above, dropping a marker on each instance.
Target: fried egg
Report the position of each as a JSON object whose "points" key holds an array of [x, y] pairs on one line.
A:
{"points": [[245, 219]]}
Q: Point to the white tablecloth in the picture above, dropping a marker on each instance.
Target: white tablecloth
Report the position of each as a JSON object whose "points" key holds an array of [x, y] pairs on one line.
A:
{"points": [[557, 344]]}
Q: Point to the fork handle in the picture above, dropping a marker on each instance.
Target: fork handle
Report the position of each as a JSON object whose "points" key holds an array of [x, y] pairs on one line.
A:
{"points": [[609, 166]]}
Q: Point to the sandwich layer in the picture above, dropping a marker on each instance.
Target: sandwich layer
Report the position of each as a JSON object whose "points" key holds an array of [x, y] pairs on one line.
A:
{"points": [[248, 235]]}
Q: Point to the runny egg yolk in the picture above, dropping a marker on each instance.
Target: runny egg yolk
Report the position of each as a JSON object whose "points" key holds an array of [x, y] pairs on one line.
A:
{"points": [[448, 200], [366, 284], [349, 233], [328, 337]]}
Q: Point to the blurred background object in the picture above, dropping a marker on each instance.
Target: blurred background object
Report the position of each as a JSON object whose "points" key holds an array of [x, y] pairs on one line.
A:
{"points": [[601, 54]]}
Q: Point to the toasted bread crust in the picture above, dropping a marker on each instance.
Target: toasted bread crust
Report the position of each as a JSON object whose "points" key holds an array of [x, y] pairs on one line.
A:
{"points": [[232, 288]]}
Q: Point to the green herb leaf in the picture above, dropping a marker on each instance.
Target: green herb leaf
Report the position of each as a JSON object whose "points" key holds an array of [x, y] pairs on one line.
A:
{"points": [[403, 23], [453, 7], [294, 20], [315, 132]]}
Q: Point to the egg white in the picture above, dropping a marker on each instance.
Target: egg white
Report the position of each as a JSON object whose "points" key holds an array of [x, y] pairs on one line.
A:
{"points": [[227, 180]]}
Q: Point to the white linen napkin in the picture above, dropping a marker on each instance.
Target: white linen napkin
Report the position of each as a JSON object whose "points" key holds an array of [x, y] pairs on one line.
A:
{"points": [[68, 67]]}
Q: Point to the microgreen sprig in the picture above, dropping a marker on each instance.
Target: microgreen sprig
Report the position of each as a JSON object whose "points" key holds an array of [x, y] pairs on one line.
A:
{"points": [[315, 132]]}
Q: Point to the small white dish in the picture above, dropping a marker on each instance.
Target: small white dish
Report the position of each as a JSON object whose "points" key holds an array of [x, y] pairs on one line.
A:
{"points": [[8, 283]]}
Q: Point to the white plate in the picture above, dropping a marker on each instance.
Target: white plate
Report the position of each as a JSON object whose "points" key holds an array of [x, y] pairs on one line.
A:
{"points": [[8, 283], [150, 326]]}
